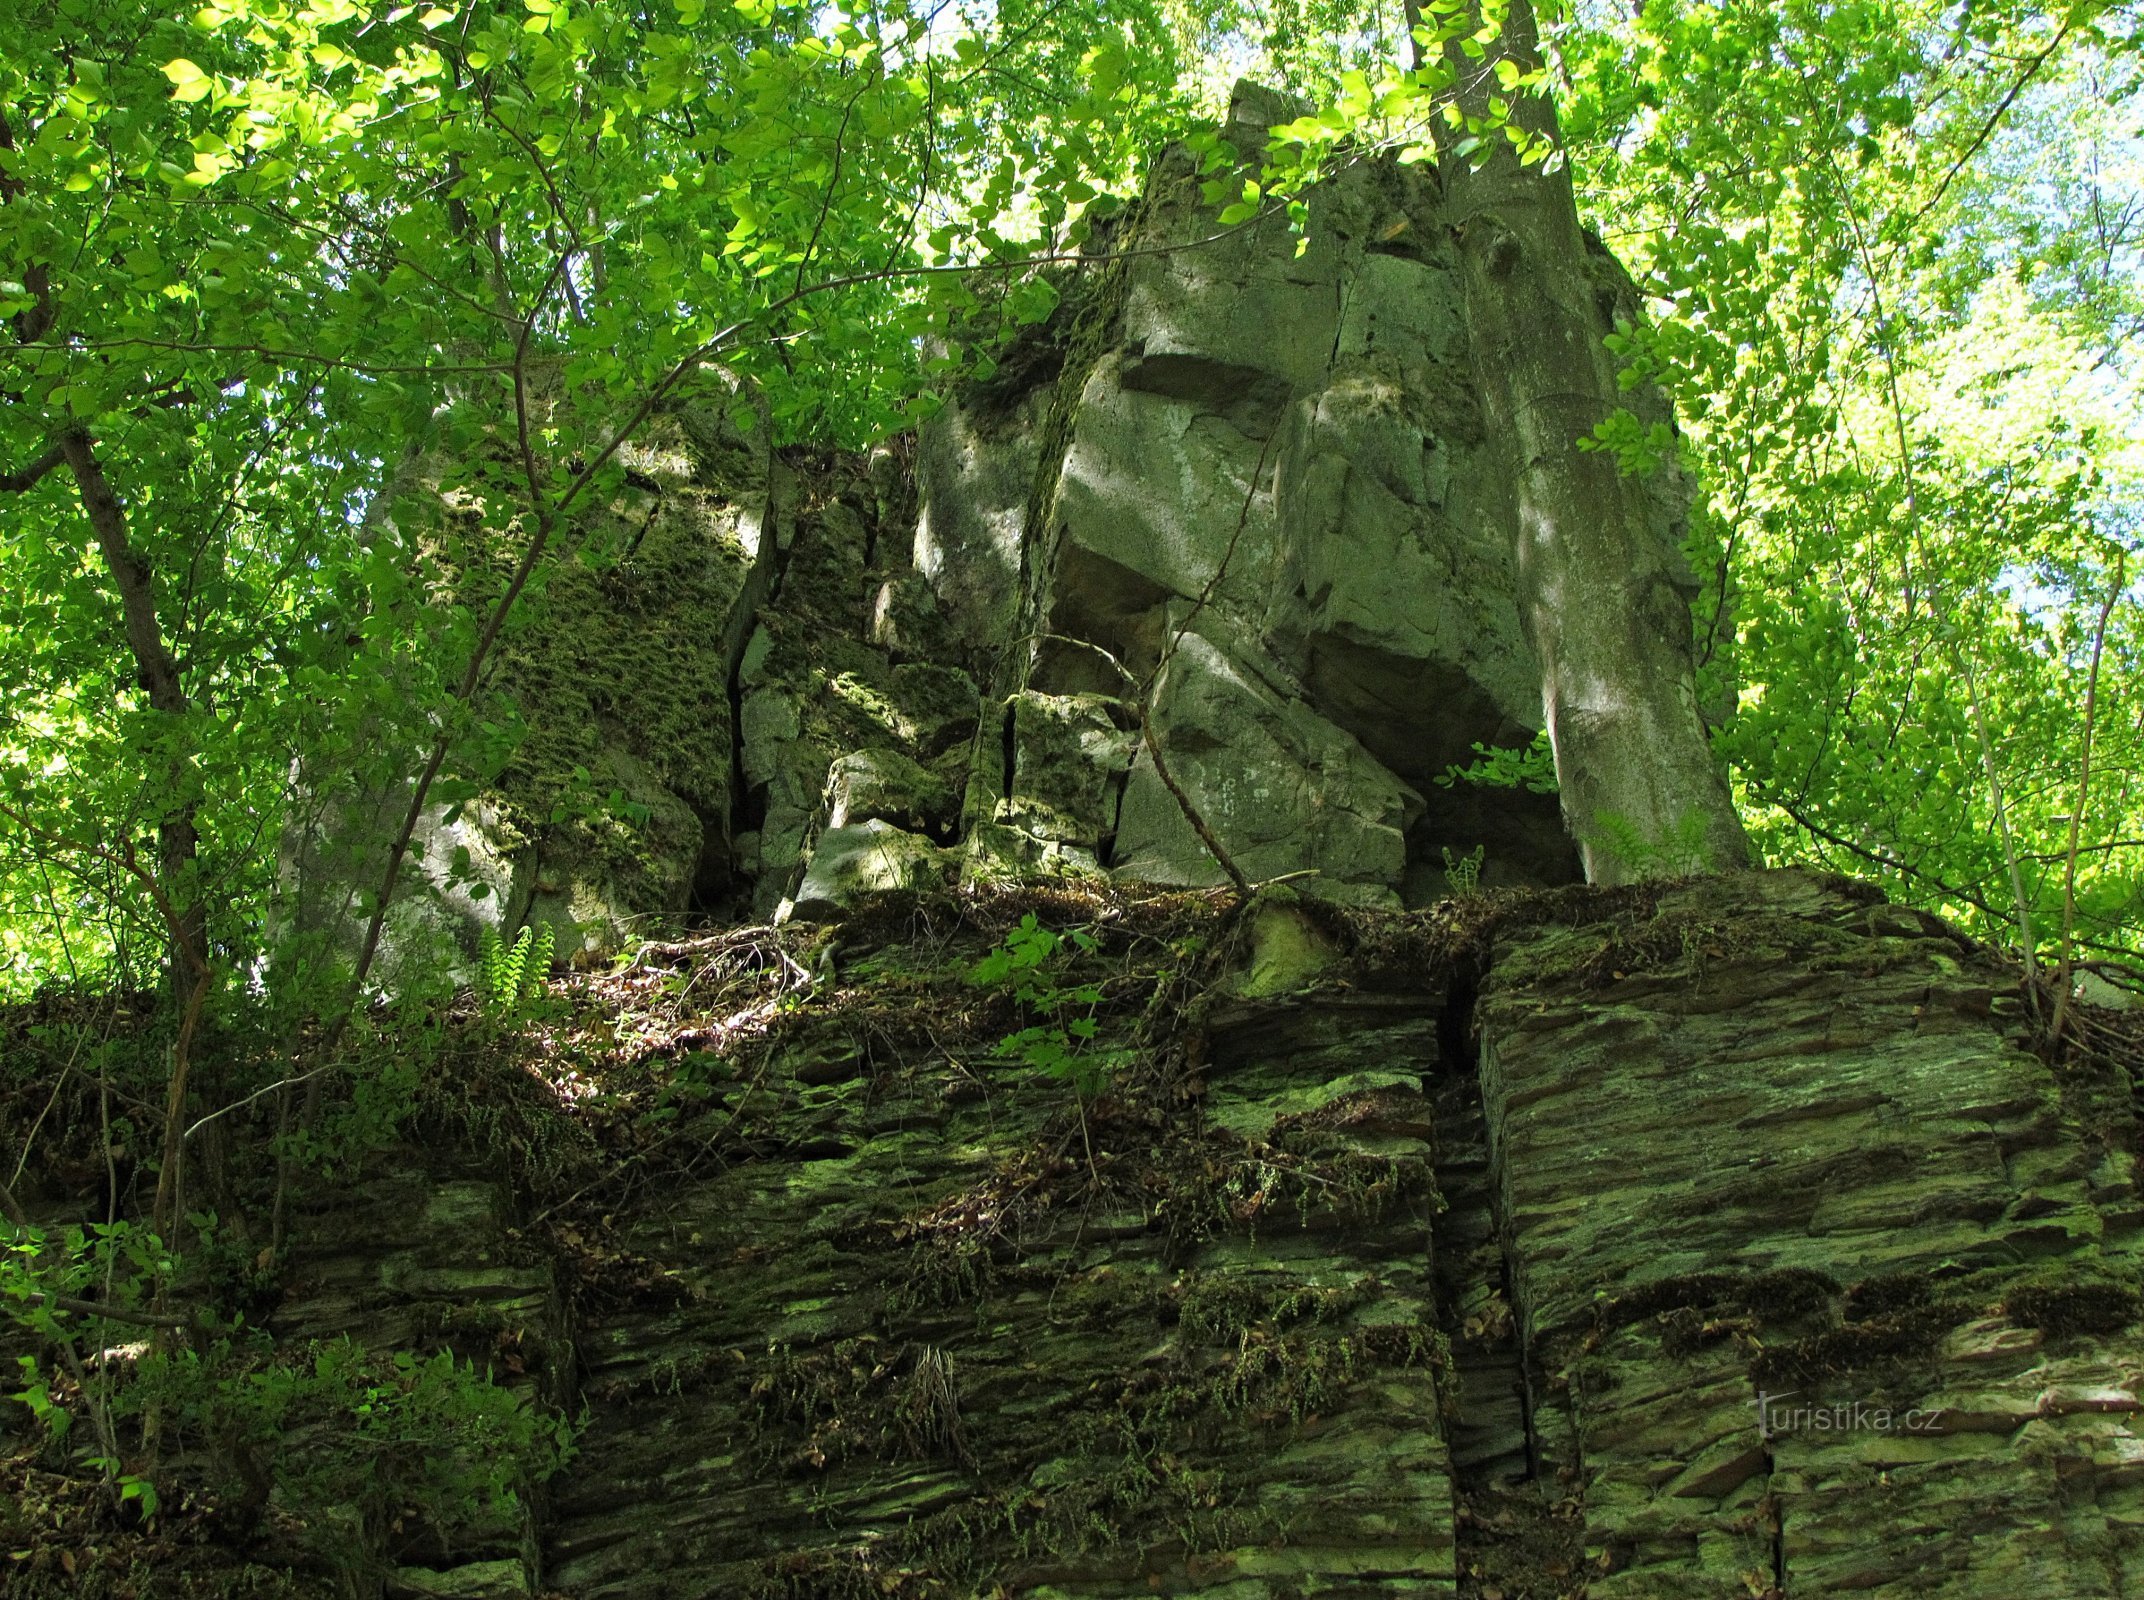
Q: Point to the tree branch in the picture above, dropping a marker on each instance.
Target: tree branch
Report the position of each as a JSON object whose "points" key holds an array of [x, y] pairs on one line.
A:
{"points": [[158, 669], [110, 1313], [17, 482]]}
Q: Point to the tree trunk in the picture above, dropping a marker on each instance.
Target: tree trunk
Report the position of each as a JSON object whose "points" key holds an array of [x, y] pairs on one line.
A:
{"points": [[1599, 599], [177, 836]]}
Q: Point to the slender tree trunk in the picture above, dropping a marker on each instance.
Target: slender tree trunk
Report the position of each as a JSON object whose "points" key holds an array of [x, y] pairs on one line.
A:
{"points": [[157, 670], [1598, 593], [178, 837]]}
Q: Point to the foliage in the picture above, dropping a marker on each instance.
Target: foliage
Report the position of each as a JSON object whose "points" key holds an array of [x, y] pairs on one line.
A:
{"points": [[348, 1436], [331, 336], [484, 203], [334, 335], [1887, 299], [1680, 853], [1502, 767], [510, 975], [1462, 873], [1061, 1043], [117, 1262]]}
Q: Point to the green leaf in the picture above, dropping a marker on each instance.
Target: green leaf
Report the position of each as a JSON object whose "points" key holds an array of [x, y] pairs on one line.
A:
{"points": [[188, 82], [1033, 300]]}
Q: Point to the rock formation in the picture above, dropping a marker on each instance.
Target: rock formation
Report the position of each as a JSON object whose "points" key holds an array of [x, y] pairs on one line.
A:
{"points": [[1241, 495], [1262, 484], [1711, 1241], [1737, 1237]]}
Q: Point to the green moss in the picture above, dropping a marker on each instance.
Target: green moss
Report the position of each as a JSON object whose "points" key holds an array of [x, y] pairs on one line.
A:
{"points": [[2074, 1299], [1904, 1338], [1787, 1295], [629, 662], [1223, 1307]]}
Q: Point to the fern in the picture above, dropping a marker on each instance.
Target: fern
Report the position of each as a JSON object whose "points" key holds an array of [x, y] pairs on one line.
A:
{"points": [[508, 975], [1463, 873], [1683, 851]]}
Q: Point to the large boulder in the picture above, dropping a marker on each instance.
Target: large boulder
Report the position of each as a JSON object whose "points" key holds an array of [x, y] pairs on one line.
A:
{"points": [[1283, 454], [890, 787], [1284, 789], [871, 857]]}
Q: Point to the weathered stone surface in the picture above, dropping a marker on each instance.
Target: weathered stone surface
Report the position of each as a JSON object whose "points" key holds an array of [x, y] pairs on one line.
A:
{"points": [[906, 622], [1759, 1137], [1281, 786], [623, 684], [835, 729], [1068, 764], [870, 857], [477, 1580], [1762, 1138], [1322, 1295], [616, 808], [975, 468], [1216, 1394], [2096, 990], [462, 876], [1245, 493], [890, 787], [1283, 454]]}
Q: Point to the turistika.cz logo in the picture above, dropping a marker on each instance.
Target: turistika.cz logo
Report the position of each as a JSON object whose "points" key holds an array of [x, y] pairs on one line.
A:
{"points": [[1775, 1417]]}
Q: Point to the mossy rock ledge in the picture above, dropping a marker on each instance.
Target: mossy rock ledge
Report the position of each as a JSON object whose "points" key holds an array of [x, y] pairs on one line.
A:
{"points": [[1707, 1239]]}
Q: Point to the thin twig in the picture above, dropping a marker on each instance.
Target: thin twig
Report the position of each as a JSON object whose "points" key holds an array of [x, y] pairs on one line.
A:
{"points": [[2084, 793]]}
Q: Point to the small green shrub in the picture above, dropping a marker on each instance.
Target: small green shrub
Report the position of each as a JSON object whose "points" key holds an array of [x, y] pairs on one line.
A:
{"points": [[1062, 1041], [118, 1263], [342, 1436]]}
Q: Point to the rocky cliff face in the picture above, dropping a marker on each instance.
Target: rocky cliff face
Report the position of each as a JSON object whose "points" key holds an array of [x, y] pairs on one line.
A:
{"points": [[1260, 502], [1717, 1240], [1703, 1240], [1239, 496]]}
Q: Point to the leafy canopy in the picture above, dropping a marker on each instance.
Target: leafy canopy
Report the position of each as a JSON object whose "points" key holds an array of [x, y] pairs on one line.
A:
{"points": [[265, 254]]}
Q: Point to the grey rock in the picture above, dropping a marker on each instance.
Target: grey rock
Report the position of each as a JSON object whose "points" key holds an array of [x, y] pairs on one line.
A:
{"points": [[478, 1580], [1286, 452], [1280, 786], [1068, 762], [905, 621], [2095, 990], [974, 474], [888, 786], [868, 858], [939, 706], [768, 720], [620, 677]]}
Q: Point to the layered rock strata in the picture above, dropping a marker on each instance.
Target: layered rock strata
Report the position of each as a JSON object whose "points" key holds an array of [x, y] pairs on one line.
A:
{"points": [[1702, 1241]]}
